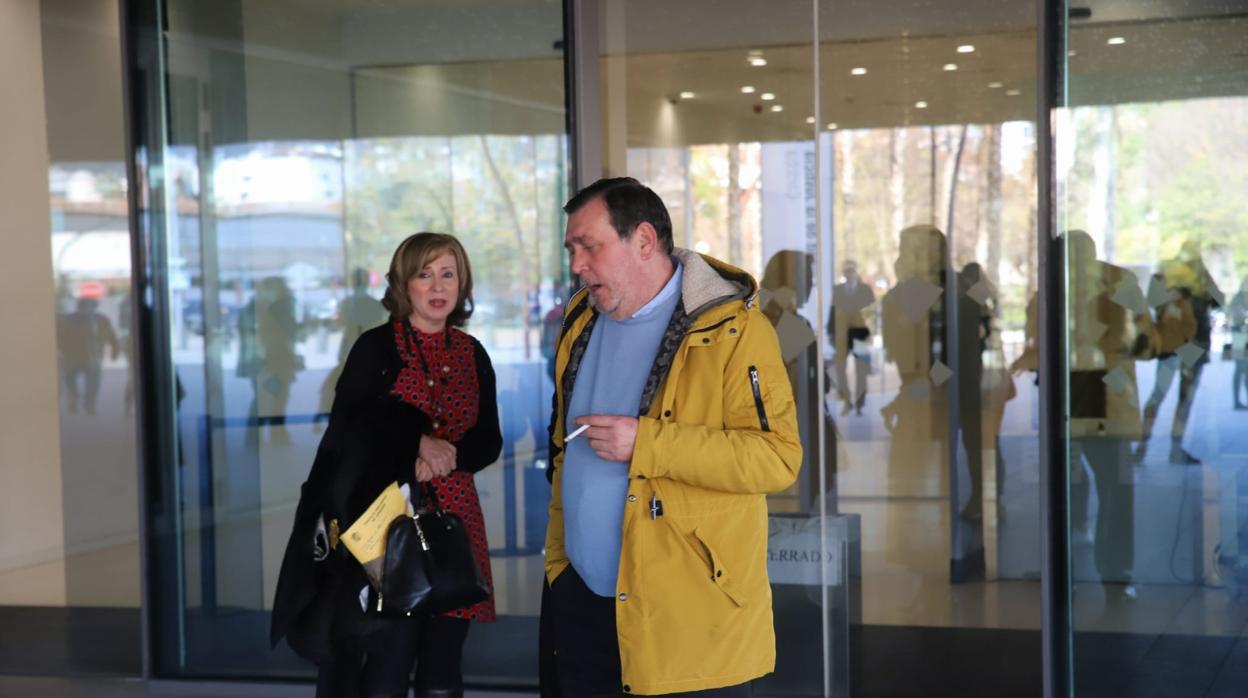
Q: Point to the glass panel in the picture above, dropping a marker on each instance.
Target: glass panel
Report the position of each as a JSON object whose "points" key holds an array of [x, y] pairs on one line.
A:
{"points": [[929, 133], [69, 523], [1150, 149], [917, 174], [714, 122], [305, 140]]}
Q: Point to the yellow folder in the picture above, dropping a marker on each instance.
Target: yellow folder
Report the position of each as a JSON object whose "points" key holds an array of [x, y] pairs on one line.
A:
{"points": [[366, 538]]}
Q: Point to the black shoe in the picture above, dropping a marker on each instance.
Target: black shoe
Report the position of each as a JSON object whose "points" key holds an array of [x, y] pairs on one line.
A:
{"points": [[1179, 456]]}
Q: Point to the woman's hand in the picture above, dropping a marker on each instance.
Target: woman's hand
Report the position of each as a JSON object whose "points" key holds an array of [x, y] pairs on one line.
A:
{"points": [[439, 454], [424, 471]]}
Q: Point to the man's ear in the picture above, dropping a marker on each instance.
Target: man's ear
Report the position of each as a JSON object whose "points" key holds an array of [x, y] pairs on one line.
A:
{"points": [[646, 238]]}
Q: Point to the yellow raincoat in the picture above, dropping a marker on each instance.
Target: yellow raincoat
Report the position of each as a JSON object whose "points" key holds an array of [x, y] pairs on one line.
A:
{"points": [[693, 608]]}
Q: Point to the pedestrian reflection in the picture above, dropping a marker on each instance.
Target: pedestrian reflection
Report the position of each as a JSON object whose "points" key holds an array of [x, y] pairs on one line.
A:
{"points": [[357, 312], [83, 336], [913, 322], [786, 284], [1110, 329], [984, 386], [1183, 294], [914, 316], [268, 332], [852, 300]]}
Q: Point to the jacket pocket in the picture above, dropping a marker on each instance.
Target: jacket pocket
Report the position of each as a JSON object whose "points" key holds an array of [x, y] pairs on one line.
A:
{"points": [[719, 575], [758, 398]]}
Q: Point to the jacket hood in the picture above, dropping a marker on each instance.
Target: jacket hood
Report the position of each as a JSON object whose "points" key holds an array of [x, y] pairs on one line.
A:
{"points": [[708, 282]]}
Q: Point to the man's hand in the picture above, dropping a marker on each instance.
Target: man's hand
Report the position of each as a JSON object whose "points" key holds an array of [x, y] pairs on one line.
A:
{"points": [[424, 471], [439, 454], [611, 436]]}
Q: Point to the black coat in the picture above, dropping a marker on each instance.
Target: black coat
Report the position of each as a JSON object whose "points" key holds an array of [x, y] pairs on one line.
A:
{"points": [[373, 439]]}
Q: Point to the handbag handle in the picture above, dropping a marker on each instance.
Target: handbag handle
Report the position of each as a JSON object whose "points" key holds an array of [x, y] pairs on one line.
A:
{"points": [[431, 494]]}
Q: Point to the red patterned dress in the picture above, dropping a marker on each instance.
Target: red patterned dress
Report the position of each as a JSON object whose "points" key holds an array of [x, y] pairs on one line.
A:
{"points": [[439, 378]]}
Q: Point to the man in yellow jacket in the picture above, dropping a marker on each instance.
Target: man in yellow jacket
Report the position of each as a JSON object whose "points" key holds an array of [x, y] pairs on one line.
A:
{"points": [[673, 418]]}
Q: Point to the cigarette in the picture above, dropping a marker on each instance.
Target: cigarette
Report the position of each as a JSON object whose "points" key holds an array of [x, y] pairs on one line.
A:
{"points": [[576, 433]]}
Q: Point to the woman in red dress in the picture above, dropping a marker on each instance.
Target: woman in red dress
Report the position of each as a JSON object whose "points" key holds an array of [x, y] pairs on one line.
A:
{"points": [[416, 403]]}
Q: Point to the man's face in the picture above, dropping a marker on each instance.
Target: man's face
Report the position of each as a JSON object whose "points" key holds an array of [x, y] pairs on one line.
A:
{"points": [[606, 264]]}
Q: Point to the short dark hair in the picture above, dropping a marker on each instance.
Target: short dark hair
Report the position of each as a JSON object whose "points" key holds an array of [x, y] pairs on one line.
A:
{"points": [[630, 203]]}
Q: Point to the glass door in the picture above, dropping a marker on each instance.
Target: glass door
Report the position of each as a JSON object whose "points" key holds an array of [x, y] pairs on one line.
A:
{"points": [[291, 146], [1149, 153]]}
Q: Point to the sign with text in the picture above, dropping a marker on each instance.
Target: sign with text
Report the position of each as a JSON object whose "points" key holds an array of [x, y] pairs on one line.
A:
{"points": [[795, 554]]}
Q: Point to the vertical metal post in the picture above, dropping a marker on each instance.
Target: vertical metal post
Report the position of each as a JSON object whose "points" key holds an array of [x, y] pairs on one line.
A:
{"points": [[584, 77], [1056, 632], [820, 429], [144, 82]]}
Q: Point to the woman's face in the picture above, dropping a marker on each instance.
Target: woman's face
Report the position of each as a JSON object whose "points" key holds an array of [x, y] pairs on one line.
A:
{"points": [[434, 293]]}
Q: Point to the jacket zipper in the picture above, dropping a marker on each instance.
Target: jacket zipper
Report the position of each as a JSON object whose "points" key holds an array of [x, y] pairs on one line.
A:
{"points": [[758, 399]]}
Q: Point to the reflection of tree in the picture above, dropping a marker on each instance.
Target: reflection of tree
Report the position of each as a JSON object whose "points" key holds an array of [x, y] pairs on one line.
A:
{"points": [[517, 230], [475, 187], [1159, 174]]}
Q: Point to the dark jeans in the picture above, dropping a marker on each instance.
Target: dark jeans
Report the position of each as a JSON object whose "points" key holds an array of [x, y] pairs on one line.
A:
{"points": [[587, 650], [381, 667]]}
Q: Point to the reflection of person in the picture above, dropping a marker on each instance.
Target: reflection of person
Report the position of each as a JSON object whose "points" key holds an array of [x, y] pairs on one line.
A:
{"points": [[1110, 329], [1175, 323], [1186, 277], [850, 333], [82, 338], [356, 313], [787, 281], [656, 547], [913, 327], [268, 333], [982, 391], [1239, 342], [416, 404]]}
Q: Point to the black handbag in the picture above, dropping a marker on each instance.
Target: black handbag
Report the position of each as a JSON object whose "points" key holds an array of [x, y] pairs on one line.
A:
{"points": [[429, 566]]}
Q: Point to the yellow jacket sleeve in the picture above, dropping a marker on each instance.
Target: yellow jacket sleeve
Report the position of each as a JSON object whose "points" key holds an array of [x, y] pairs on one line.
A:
{"points": [[739, 455]]}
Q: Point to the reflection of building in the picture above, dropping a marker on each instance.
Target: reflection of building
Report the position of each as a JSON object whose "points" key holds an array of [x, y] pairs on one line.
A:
{"points": [[298, 141]]}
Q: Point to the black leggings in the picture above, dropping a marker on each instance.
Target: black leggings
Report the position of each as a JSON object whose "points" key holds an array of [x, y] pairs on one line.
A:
{"points": [[382, 668]]}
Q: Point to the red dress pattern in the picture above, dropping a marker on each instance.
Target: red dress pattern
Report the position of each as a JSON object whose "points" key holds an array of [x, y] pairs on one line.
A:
{"points": [[450, 398]]}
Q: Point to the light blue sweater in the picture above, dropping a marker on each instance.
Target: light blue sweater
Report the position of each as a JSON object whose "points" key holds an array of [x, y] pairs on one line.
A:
{"points": [[611, 377]]}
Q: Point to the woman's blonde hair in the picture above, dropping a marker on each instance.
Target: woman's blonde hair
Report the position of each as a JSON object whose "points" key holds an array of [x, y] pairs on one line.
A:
{"points": [[412, 255]]}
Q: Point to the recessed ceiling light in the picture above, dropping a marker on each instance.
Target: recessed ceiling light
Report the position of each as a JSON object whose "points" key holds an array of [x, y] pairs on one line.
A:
{"points": [[994, 85], [1013, 93], [758, 61], [1116, 41], [686, 95], [950, 67], [920, 104], [810, 119], [777, 107], [966, 48], [832, 126], [767, 96], [858, 71], [1072, 54], [747, 90]]}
